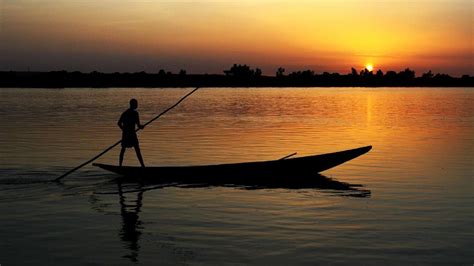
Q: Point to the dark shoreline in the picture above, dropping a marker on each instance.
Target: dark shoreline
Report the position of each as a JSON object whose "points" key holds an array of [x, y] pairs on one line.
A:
{"points": [[64, 79]]}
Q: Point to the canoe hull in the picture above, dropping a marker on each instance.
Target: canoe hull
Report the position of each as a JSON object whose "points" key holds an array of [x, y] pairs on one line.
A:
{"points": [[264, 171]]}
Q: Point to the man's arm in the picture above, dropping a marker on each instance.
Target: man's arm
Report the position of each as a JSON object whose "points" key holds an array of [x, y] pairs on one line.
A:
{"points": [[119, 122], [138, 122]]}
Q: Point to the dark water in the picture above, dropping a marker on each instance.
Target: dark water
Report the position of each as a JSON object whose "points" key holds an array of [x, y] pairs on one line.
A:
{"points": [[415, 205]]}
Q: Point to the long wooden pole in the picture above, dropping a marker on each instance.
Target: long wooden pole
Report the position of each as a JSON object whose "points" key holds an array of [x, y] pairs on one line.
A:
{"points": [[118, 142], [288, 156]]}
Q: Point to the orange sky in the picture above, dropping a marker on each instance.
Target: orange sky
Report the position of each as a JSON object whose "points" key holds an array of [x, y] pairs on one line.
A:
{"points": [[209, 36]]}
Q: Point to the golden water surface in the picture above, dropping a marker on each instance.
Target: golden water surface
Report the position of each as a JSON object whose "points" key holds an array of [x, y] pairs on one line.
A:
{"points": [[418, 174]]}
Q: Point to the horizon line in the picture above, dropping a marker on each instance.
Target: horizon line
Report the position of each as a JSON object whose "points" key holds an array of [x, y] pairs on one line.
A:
{"points": [[223, 73]]}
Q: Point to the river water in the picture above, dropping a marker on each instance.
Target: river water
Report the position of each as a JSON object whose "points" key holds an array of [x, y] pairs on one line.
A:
{"points": [[414, 205]]}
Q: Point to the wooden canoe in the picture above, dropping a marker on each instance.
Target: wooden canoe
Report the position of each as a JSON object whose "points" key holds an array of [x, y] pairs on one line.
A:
{"points": [[241, 173]]}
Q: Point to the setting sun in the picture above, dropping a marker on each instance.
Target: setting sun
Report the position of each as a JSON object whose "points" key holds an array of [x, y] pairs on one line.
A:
{"points": [[369, 67]]}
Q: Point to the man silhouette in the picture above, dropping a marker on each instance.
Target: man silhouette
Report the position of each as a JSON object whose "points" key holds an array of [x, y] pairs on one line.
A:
{"points": [[127, 123]]}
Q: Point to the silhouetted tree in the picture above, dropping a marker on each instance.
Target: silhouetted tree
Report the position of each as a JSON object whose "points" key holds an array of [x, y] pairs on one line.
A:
{"points": [[366, 73], [240, 71], [442, 78], [280, 72], [391, 74], [427, 75], [406, 74], [379, 74], [354, 72], [302, 74], [182, 72]]}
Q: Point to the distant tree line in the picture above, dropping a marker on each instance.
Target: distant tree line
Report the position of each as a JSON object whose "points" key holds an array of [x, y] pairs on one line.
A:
{"points": [[236, 76]]}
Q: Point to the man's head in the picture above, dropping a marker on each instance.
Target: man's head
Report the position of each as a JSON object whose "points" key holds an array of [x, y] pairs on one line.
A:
{"points": [[133, 104]]}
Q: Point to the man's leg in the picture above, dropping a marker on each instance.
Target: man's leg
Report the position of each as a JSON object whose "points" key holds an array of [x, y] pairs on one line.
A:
{"points": [[139, 154], [122, 151]]}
